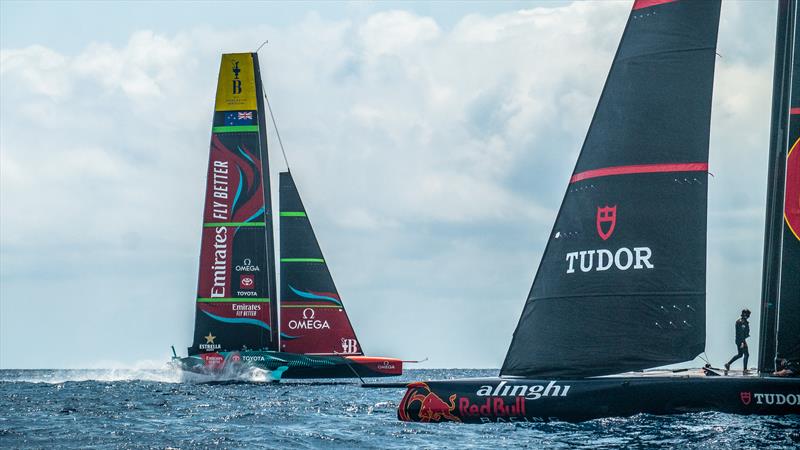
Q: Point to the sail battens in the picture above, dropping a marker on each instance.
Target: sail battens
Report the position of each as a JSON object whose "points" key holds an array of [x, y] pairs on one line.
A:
{"points": [[302, 260], [618, 294], [639, 168], [639, 4], [284, 304], [232, 300], [234, 224], [293, 214], [794, 111], [236, 129]]}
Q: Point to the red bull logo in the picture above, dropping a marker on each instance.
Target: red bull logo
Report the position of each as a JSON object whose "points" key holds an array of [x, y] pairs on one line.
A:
{"points": [[492, 407], [430, 408]]}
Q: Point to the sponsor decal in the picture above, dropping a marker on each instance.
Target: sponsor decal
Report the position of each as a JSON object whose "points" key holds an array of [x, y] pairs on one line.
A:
{"points": [[235, 357], [493, 407], [769, 398], [237, 83], [246, 309], [220, 184], [254, 358], [308, 322], [602, 259], [247, 266], [213, 360], [233, 201], [210, 345], [385, 365], [349, 346], [528, 391], [745, 397], [220, 265], [606, 221], [431, 407], [219, 211], [791, 211], [236, 86], [247, 281]]}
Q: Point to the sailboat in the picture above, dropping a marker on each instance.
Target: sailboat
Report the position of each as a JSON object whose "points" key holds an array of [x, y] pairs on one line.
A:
{"points": [[621, 287], [239, 325]]}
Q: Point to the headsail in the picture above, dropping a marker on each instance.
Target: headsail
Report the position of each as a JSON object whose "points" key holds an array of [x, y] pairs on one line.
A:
{"points": [[780, 311], [236, 259], [621, 284], [313, 319]]}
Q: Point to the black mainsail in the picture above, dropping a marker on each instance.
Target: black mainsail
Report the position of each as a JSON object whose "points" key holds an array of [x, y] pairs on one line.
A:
{"points": [[621, 284], [780, 306]]}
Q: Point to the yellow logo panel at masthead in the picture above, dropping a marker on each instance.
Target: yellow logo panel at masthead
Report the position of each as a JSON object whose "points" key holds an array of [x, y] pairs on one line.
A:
{"points": [[236, 86]]}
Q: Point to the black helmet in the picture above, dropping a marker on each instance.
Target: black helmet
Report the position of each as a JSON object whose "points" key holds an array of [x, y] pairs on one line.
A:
{"points": [[746, 312]]}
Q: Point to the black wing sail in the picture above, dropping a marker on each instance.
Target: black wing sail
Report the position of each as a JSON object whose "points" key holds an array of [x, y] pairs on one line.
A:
{"points": [[788, 332], [780, 303], [313, 318], [621, 284], [236, 282]]}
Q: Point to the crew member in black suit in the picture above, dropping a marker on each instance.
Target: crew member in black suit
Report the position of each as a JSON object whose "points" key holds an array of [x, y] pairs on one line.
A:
{"points": [[742, 333]]}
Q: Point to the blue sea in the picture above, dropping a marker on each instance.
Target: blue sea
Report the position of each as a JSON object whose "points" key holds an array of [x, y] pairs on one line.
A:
{"points": [[157, 409]]}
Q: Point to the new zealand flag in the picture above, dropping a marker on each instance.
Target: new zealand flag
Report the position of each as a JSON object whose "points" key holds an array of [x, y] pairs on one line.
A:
{"points": [[235, 118]]}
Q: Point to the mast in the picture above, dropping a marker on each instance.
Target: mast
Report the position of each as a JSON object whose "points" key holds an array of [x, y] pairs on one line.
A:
{"points": [[776, 176], [788, 305], [275, 336]]}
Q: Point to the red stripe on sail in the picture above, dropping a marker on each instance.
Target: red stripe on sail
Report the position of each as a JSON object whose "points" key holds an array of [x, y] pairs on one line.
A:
{"points": [[641, 168], [794, 111], [639, 4]]}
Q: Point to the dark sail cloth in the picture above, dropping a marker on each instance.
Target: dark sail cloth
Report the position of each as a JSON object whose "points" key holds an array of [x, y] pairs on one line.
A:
{"points": [[742, 333]]}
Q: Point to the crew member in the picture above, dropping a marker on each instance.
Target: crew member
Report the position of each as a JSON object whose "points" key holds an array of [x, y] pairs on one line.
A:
{"points": [[742, 333], [787, 368]]}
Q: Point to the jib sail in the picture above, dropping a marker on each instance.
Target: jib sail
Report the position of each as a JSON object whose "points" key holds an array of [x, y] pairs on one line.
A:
{"points": [[313, 318], [236, 256], [621, 284], [780, 311]]}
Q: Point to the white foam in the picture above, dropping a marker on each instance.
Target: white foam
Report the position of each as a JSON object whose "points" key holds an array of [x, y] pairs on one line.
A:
{"points": [[159, 372]]}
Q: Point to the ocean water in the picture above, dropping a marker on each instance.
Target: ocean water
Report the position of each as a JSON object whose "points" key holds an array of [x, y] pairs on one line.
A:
{"points": [[157, 409]]}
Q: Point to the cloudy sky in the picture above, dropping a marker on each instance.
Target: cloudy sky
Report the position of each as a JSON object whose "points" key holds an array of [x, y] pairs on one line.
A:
{"points": [[432, 144]]}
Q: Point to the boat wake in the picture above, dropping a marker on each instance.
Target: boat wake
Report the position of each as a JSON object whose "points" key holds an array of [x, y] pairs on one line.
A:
{"points": [[58, 376], [231, 375], [146, 371]]}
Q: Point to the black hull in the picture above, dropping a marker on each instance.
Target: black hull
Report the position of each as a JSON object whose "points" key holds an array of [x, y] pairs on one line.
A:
{"points": [[297, 366], [533, 400]]}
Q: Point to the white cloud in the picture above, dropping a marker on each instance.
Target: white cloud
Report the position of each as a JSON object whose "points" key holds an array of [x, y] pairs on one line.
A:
{"points": [[393, 31], [431, 160]]}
